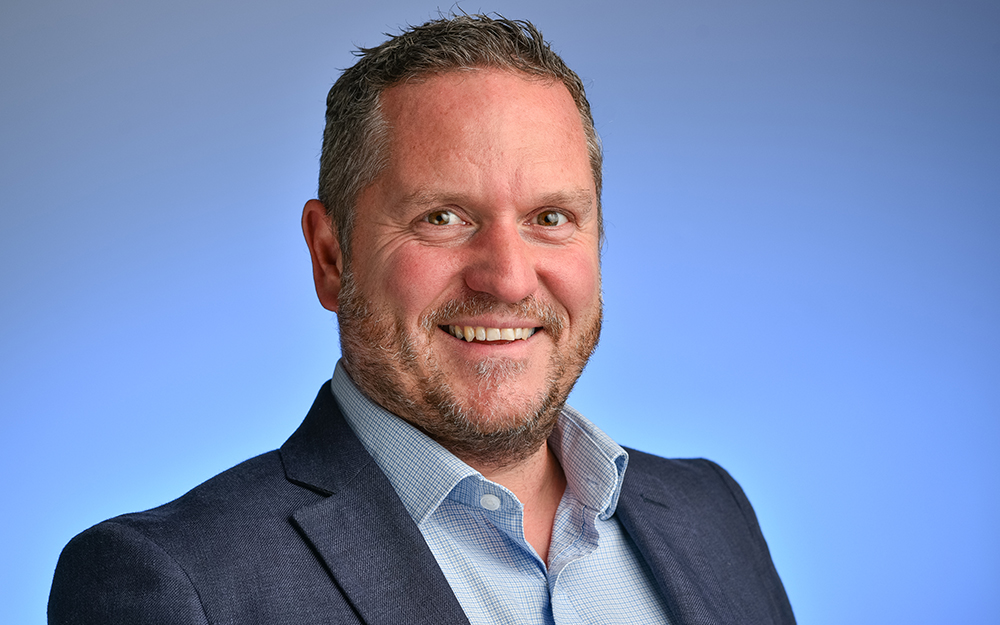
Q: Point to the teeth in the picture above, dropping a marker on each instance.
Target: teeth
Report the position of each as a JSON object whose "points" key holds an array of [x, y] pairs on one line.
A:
{"points": [[479, 333]]}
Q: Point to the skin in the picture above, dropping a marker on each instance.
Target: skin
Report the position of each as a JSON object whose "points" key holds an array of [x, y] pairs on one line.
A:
{"points": [[486, 215]]}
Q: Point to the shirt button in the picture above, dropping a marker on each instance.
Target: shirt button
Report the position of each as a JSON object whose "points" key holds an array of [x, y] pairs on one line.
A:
{"points": [[490, 502]]}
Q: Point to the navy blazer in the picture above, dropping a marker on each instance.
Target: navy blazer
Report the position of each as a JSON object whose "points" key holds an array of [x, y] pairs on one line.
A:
{"points": [[314, 533]]}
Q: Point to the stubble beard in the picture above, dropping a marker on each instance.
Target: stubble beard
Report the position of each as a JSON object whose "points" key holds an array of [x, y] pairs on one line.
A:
{"points": [[481, 428]]}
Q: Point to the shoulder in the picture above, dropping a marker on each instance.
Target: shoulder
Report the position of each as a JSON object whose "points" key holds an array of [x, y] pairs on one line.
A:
{"points": [[249, 503], [698, 531], [113, 573], [255, 490], [168, 560], [229, 550]]}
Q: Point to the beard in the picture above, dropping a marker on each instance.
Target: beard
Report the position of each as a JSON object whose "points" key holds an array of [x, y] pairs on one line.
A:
{"points": [[482, 426]]}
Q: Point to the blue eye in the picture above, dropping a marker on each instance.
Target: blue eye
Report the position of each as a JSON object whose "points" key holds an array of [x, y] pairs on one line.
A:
{"points": [[443, 218], [550, 218]]}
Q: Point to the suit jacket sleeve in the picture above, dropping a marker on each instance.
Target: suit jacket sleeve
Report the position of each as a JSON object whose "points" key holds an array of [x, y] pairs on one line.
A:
{"points": [[113, 574]]}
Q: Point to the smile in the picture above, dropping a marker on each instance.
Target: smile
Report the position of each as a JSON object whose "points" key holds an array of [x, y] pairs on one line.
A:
{"points": [[479, 333]]}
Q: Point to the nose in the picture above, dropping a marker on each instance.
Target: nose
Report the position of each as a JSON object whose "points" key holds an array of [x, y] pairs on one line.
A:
{"points": [[501, 263]]}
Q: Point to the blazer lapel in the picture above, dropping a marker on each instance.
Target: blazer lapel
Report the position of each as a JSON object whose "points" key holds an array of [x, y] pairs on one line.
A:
{"points": [[361, 530], [669, 541]]}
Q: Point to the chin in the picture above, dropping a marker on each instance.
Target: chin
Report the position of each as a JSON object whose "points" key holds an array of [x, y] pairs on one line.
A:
{"points": [[490, 416]]}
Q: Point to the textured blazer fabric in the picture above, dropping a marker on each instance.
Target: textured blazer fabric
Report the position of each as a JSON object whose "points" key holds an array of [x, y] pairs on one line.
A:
{"points": [[314, 533]]}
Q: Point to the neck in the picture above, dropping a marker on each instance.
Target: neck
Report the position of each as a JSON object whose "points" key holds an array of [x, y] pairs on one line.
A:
{"points": [[538, 482]]}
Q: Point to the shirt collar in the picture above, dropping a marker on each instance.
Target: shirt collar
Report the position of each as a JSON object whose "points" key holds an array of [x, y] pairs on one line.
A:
{"points": [[593, 463], [424, 473]]}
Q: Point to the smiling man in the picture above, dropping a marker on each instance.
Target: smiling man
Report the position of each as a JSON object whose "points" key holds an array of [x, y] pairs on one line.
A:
{"points": [[440, 477], [471, 300]]}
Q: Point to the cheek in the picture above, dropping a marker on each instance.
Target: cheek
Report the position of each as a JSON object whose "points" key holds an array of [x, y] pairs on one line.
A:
{"points": [[415, 280], [575, 282]]}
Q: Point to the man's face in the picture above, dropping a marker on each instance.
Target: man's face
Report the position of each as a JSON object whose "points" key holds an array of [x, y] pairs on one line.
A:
{"points": [[484, 224]]}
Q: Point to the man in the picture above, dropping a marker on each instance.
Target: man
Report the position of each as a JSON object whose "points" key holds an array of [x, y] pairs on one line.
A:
{"points": [[439, 477]]}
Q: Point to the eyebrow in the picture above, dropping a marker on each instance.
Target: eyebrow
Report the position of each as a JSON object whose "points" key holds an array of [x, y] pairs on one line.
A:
{"points": [[583, 198]]}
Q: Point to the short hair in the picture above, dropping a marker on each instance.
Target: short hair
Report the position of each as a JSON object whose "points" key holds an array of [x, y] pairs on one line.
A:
{"points": [[355, 140]]}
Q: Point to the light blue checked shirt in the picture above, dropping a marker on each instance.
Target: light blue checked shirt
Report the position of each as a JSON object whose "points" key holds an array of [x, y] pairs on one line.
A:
{"points": [[474, 526]]}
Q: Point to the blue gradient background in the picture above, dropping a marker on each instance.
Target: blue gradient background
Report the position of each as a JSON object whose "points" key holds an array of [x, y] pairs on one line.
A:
{"points": [[802, 276]]}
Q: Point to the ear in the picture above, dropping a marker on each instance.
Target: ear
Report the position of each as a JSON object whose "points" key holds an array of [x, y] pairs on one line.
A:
{"points": [[324, 248]]}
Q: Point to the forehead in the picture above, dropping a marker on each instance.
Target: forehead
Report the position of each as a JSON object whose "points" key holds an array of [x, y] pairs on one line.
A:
{"points": [[468, 89], [500, 124]]}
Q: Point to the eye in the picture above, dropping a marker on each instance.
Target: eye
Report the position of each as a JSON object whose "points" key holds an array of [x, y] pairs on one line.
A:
{"points": [[443, 218], [550, 218]]}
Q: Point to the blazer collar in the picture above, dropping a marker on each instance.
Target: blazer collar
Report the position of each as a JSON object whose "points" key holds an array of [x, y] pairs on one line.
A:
{"points": [[360, 529]]}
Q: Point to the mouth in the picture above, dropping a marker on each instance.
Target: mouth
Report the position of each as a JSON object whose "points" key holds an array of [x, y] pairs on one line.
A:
{"points": [[481, 334]]}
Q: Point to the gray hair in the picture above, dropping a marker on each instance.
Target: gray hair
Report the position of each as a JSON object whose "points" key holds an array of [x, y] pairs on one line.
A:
{"points": [[355, 141]]}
